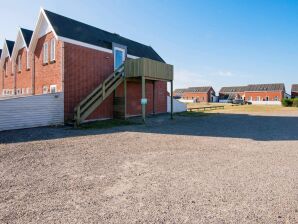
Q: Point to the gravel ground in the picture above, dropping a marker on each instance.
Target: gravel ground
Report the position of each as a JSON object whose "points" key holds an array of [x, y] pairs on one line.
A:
{"points": [[225, 168]]}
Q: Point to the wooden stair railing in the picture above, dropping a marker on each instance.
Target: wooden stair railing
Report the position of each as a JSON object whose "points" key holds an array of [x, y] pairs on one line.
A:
{"points": [[98, 95]]}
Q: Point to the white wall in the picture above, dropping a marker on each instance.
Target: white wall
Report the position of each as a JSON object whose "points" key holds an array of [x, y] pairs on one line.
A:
{"points": [[186, 101], [177, 106], [31, 111], [265, 102]]}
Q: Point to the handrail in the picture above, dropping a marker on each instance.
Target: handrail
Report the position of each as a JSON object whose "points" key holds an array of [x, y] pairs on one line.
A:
{"points": [[89, 103]]}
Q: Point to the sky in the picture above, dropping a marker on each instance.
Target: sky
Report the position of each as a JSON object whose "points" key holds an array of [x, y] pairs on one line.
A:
{"points": [[210, 42]]}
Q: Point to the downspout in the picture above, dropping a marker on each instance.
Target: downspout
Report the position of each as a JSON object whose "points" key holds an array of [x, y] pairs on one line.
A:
{"points": [[33, 73]]}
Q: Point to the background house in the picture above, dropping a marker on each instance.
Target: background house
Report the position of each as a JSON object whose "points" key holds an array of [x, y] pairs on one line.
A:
{"points": [[255, 93], [230, 93], [294, 91], [196, 94]]}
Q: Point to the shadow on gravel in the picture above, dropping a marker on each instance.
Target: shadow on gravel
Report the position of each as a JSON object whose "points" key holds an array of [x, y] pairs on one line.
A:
{"points": [[260, 128]]}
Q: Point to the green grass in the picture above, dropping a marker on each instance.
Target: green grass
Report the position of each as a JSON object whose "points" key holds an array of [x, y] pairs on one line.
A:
{"points": [[192, 114], [105, 124]]}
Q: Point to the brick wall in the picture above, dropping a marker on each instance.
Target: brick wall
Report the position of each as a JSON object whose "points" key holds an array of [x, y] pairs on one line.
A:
{"points": [[86, 68], [23, 77], [51, 73], [8, 76], [263, 95], [294, 94], [199, 97], [134, 96]]}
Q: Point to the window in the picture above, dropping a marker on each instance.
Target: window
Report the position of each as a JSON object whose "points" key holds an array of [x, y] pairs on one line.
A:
{"points": [[19, 91], [276, 98], [19, 63], [267, 98], [45, 89], [258, 98], [28, 60], [53, 50], [53, 88], [45, 53], [119, 57], [28, 90], [250, 98]]}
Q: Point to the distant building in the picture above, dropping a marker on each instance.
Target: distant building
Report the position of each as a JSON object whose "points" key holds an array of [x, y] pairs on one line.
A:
{"points": [[294, 91], [256, 93], [231, 93], [197, 94]]}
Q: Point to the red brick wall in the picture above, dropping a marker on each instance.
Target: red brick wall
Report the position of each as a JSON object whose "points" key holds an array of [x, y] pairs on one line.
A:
{"points": [[8, 77], [23, 77], [86, 68], [49, 74], [263, 95], [200, 97], [134, 96], [294, 94]]}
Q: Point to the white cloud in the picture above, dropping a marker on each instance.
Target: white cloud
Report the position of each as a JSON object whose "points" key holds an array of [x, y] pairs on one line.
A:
{"points": [[185, 78], [225, 73]]}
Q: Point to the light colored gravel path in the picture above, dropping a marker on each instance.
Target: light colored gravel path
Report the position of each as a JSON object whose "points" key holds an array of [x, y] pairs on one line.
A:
{"points": [[214, 169]]}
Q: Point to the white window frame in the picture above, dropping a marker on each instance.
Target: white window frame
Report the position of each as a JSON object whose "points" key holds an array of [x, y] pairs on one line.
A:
{"points": [[27, 60], [123, 55], [53, 50], [19, 63], [45, 89], [53, 86], [276, 98], [45, 53]]}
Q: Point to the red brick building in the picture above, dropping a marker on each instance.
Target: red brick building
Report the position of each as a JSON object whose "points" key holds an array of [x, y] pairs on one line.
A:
{"points": [[294, 91], [7, 74], [256, 93], [64, 55], [198, 94]]}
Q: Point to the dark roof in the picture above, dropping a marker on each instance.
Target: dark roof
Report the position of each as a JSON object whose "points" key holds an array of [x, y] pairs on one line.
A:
{"points": [[27, 35], [179, 90], [202, 89], [10, 45], [233, 89], [295, 88], [75, 30], [266, 87]]}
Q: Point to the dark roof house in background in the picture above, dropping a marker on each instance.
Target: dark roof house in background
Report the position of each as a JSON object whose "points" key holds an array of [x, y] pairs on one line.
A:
{"points": [[78, 31], [294, 91], [233, 89], [265, 87]]}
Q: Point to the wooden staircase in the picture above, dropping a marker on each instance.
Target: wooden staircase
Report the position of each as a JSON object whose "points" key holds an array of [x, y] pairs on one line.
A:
{"points": [[98, 95]]}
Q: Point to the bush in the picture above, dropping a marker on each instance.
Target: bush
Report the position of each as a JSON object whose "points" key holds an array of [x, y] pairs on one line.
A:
{"points": [[295, 102], [287, 102]]}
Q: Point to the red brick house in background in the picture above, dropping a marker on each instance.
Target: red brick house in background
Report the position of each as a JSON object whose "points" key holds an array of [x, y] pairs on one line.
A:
{"points": [[7, 74], [257, 93], [66, 56], [198, 94], [294, 91], [231, 93]]}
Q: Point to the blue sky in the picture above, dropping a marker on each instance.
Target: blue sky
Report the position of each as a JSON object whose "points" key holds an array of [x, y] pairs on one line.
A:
{"points": [[210, 42]]}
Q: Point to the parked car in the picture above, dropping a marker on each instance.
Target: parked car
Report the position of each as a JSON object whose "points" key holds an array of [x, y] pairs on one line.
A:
{"points": [[238, 101]]}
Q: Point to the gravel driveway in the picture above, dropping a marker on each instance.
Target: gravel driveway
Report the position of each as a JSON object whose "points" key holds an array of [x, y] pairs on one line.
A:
{"points": [[226, 168]]}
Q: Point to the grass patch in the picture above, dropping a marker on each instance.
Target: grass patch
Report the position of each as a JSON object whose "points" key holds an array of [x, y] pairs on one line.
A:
{"points": [[192, 114], [105, 124]]}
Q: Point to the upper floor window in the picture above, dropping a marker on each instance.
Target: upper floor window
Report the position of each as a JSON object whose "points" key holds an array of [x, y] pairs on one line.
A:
{"points": [[28, 60], [45, 53], [19, 63], [119, 57], [53, 50]]}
